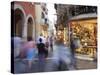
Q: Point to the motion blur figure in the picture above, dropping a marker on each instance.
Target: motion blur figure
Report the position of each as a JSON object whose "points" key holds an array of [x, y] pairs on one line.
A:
{"points": [[61, 56], [17, 45], [41, 54], [30, 51]]}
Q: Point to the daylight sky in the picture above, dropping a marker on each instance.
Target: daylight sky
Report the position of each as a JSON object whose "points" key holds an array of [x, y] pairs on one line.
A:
{"points": [[51, 14]]}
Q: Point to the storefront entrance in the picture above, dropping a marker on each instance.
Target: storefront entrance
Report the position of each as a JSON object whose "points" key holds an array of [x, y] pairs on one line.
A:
{"points": [[86, 32]]}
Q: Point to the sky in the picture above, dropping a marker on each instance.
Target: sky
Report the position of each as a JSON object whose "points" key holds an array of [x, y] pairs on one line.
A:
{"points": [[51, 14]]}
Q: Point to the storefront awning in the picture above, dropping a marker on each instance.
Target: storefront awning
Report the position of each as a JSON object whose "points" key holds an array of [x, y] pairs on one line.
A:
{"points": [[84, 16]]}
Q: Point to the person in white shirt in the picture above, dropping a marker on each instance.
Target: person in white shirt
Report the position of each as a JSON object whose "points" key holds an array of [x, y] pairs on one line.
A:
{"points": [[43, 38]]}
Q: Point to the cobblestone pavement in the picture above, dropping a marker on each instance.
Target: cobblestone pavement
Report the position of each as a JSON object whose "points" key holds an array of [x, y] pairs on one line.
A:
{"points": [[86, 64], [20, 66]]}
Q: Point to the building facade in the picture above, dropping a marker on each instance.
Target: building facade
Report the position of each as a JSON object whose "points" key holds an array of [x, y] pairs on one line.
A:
{"points": [[29, 19], [41, 19], [23, 18], [79, 22], [45, 20], [63, 16]]}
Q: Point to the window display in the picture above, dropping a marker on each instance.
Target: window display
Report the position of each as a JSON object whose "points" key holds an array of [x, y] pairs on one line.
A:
{"points": [[85, 31]]}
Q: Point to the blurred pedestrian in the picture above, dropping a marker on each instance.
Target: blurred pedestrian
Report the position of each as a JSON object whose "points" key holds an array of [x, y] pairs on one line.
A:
{"points": [[30, 51], [17, 45], [47, 42], [42, 37], [73, 54], [22, 54], [51, 43], [61, 59], [73, 46], [41, 54], [41, 49]]}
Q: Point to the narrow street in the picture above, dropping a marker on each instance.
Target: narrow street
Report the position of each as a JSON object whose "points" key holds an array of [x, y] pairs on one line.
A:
{"points": [[52, 63], [70, 29], [21, 66]]}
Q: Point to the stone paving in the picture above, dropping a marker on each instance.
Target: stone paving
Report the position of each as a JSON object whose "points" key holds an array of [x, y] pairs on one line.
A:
{"points": [[51, 64]]}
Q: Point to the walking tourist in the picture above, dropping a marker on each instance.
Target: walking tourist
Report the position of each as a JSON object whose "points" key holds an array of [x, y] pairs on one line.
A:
{"points": [[30, 51], [72, 47], [17, 45], [42, 37], [61, 59], [41, 49], [51, 43], [41, 54]]}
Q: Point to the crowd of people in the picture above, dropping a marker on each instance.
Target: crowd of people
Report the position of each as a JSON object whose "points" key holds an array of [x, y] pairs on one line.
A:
{"points": [[40, 48], [31, 48]]}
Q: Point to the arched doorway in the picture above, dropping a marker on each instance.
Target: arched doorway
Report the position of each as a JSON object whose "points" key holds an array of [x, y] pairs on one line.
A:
{"points": [[18, 22], [30, 28]]}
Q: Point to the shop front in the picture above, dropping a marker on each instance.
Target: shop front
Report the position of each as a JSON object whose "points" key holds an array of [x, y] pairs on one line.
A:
{"points": [[45, 30], [62, 35], [85, 30]]}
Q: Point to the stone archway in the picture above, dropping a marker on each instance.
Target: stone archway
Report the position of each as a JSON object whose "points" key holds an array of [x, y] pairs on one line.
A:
{"points": [[19, 28], [30, 23], [29, 27], [18, 22]]}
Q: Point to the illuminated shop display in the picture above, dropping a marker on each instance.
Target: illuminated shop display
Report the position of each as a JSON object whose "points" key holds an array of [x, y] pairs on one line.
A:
{"points": [[62, 34], [44, 30], [86, 32]]}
